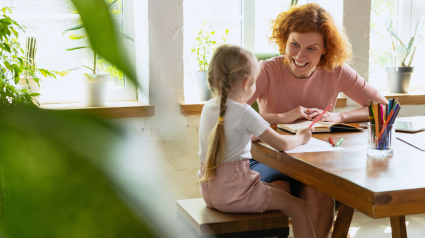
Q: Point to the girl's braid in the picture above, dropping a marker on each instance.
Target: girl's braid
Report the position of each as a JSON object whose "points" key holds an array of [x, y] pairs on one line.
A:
{"points": [[225, 86]]}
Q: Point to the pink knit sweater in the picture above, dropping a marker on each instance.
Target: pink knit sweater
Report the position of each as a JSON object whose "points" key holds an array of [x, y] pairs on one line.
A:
{"points": [[279, 91]]}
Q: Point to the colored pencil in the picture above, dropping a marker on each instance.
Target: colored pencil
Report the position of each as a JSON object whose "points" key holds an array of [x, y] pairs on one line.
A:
{"points": [[331, 141], [339, 142], [383, 128], [317, 118], [375, 115]]}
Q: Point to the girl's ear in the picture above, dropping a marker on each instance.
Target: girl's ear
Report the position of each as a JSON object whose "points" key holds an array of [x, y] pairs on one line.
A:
{"points": [[245, 83]]}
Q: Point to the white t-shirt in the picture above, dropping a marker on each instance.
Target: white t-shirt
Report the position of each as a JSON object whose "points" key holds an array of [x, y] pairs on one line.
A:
{"points": [[240, 123]]}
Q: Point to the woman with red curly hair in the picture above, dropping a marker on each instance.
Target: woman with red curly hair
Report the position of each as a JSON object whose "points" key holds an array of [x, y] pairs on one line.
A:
{"points": [[301, 83]]}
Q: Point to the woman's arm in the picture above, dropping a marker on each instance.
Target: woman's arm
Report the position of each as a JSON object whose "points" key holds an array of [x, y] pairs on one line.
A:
{"points": [[291, 116], [356, 115], [287, 142]]}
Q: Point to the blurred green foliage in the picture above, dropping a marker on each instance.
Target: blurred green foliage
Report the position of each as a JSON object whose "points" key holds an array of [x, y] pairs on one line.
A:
{"points": [[53, 177], [380, 44], [55, 186]]}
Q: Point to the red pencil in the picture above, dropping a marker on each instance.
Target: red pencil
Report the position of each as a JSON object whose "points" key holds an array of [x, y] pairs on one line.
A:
{"points": [[331, 141], [317, 118]]}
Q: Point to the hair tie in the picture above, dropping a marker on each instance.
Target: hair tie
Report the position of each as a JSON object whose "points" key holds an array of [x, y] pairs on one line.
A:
{"points": [[220, 120]]}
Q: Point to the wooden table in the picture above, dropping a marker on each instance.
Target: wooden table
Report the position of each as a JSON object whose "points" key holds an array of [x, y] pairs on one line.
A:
{"points": [[391, 187]]}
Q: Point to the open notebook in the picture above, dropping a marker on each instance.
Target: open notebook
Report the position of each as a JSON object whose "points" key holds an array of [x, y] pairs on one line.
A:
{"points": [[318, 126]]}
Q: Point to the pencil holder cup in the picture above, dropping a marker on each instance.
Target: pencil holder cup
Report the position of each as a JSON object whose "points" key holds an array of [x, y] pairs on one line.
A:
{"points": [[380, 140]]}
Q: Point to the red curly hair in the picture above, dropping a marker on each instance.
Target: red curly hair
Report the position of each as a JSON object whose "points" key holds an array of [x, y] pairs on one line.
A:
{"points": [[312, 18]]}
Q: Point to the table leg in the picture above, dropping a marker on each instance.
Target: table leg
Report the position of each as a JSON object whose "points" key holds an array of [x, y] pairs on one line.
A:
{"points": [[343, 221], [398, 227]]}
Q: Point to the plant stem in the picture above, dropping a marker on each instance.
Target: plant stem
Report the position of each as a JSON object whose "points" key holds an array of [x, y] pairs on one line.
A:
{"points": [[88, 68], [411, 57], [94, 68]]}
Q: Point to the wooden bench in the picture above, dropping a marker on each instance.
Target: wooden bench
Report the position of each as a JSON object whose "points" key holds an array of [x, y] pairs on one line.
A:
{"points": [[206, 222]]}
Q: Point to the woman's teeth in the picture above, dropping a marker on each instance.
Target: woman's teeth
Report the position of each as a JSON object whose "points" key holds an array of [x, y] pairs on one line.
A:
{"points": [[299, 63]]}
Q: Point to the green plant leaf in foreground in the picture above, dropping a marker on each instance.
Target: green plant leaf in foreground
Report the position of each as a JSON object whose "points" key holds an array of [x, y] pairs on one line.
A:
{"points": [[103, 35], [51, 182]]}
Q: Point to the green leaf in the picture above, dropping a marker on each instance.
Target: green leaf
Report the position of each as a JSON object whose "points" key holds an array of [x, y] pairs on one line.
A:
{"points": [[77, 36], [103, 36], [124, 36], [73, 28], [46, 73], [77, 48], [6, 47], [400, 53], [112, 3], [410, 44], [394, 34], [65, 72]]}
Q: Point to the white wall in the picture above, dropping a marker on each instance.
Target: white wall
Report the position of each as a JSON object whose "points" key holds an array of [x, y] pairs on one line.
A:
{"points": [[356, 19]]}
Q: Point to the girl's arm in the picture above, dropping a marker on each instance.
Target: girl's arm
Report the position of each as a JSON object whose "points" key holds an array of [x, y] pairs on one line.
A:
{"points": [[356, 115], [286, 142]]}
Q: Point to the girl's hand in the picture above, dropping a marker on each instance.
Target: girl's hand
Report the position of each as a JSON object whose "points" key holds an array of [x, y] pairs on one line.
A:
{"points": [[330, 116], [305, 134], [301, 112]]}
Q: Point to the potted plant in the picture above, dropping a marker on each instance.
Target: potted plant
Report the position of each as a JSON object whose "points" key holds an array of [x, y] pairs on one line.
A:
{"points": [[400, 73], [26, 80], [95, 84], [19, 81], [203, 49]]}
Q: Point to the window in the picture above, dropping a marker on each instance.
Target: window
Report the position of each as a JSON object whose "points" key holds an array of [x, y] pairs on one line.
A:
{"points": [[404, 15], [248, 23], [46, 20], [219, 15]]}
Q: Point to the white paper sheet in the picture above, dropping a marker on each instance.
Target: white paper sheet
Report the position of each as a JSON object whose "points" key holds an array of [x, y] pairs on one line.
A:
{"points": [[301, 124], [415, 140], [315, 145]]}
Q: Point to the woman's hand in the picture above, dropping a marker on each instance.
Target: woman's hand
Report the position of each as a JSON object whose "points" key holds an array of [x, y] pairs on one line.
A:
{"points": [[305, 134], [300, 112], [330, 116]]}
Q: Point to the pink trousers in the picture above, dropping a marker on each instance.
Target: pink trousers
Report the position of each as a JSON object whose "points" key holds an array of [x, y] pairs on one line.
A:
{"points": [[236, 189]]}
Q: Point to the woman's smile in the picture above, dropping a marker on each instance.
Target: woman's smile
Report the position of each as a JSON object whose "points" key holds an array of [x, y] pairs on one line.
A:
{"points": [[298, 64], [303, 53]]}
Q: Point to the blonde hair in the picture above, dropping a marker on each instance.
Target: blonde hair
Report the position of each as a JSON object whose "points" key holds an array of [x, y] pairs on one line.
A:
{"points": [[230, 64]]}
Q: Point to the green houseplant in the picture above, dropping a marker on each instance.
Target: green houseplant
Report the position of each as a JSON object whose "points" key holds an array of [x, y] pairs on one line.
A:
{"points": [[401, 56], [94, 83], [18, 69], [203, 49]]}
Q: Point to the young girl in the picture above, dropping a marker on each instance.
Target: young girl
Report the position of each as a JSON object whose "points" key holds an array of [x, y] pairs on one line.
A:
{"points": [[227, 125]]}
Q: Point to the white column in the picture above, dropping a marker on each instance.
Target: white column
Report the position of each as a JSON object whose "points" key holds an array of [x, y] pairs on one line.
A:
{"points": [[248, 33], [141, 48], [356, 20]]}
